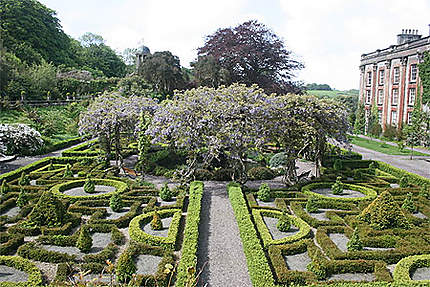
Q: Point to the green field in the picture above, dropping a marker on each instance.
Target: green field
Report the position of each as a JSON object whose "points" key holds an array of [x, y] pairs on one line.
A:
{"points": [[382, 147], [333, 93]]}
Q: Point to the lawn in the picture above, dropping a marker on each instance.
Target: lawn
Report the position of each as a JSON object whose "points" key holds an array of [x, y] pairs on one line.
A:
{"points": [[382, 147]]}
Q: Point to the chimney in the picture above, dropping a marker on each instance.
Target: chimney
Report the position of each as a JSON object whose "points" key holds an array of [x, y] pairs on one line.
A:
{"points": [[408, 35]]}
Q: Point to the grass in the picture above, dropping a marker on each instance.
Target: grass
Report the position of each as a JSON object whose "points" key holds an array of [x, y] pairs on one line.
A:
{"points": [[382, 147], [333, 93]]}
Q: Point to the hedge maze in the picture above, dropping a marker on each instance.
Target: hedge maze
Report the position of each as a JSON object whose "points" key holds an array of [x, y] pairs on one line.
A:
{"points": [[79, 221], [375, 231]]}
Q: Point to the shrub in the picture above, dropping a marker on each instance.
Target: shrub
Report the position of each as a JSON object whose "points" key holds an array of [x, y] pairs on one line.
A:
{"points": [[390, 132], [5, 188], [165, 193], [156, 223], [278, 160], [203, 174], [384, 213], [260, 173], [89, 186], [115, 202], [223, 174], [337, 187], [312, 204], [22, 198], [68, 172], [85, 241], [355, 244], [264, 192], [425, 191], [372, 165], [403, 183], [24, 179], [408, 203], [19, 139], [338, 165], [49, 211], [284, 223], [125, 267]]}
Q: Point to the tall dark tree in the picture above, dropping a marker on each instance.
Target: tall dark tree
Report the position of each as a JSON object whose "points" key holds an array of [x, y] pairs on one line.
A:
{"points": [[252, 54], [32, 31], [163, 71]]}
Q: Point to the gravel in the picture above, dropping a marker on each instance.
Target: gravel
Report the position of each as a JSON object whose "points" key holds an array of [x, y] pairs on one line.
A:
{"points": [[270, 203], [340, 240], [159, 181], [115, 215], [420, 215], [353, 277], [10, 274], [220, 250], [100, 241], [422, 273], [79, 191], [147, 264], [298, 262], [163, 202], [321, 214], [166, 223], [14, 211], [346, 193], [276, 234]]}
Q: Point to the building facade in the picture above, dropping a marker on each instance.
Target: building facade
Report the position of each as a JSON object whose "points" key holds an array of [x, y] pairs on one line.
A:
{"points": [[389, 78]]}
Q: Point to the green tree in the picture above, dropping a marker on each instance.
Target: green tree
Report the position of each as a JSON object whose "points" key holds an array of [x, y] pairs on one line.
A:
{"points": [[22, 198], [355, 243], [417, 132], [374, 127], [84, 241], [125, 267], [264, 192], [49, 211], [116, 202], [408, 203], [156, 223], [360, 119], [208, 72]]}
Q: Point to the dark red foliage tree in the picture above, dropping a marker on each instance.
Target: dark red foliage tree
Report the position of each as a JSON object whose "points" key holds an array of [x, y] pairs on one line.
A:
{"points": [[250, 54]]}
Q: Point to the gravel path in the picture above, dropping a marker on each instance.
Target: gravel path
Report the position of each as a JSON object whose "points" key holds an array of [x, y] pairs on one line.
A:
{"points": [[147, 264], [422, 273], [298, 262], [220, 250], [347, 193], [418, 165], [274, 231], [422, 150], [9, 274], [340, 240], [99, 189], [365, 277]]}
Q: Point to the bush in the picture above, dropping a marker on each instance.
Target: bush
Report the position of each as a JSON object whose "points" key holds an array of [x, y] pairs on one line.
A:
{"points": [[390, 132], [425, 191], [49, 211], [223, 174], [68, 172], [125, 267], [264, 192], [337, 187], [89, 186], [355, 244], [278, 160], [5, 188], [338, 165], [408, 203], [85, 241], [403, 183], [19, 139], [115, 202], [156, 223], [312, 204], [165, 193], [22, 198], [24, 179], [203, 174], [284, 223], [260, 173]]}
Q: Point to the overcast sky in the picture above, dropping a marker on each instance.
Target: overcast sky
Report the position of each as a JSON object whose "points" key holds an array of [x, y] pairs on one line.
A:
{"points": [[327, 36]]}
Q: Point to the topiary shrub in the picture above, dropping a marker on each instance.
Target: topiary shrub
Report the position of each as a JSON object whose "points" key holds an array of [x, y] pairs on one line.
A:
{"points": [[165, 193], [278, 160], [24, 179], [49, 211], [5, 188], [51, 166], [284, 223], [84, 241], [355, 243], [372, 165], [425, 191], [115, 202], [264, 192], [337, 187], [408, 203], [384, 213], [22, 198], [68, 172], [312, 204], [89, 186], [203, 174], [125, 267], [260, 173], [337, 165], [403, 183], [156, 223]]}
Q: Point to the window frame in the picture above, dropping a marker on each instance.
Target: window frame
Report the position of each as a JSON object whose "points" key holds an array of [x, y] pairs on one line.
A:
{"points": [[396, 102]]}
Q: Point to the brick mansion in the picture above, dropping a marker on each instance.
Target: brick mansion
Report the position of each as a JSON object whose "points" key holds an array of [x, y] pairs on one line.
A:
{"points": [[389, 78]]}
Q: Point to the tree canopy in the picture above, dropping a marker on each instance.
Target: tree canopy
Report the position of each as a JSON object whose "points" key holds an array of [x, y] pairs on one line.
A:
{"points": [[250, 54]]}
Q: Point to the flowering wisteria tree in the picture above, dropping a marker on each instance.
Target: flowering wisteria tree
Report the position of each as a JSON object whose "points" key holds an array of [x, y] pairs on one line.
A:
{"points": [[19, 139], [112, 114]]}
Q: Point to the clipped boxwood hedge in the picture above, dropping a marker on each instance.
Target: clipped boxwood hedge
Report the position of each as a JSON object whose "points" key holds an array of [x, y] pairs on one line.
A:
{"points": [[34, 274], [369, 193], [60, 188], [258, 265], [406, 265], [137, 234], [191, 234], [304, 228], [412, 178]]}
